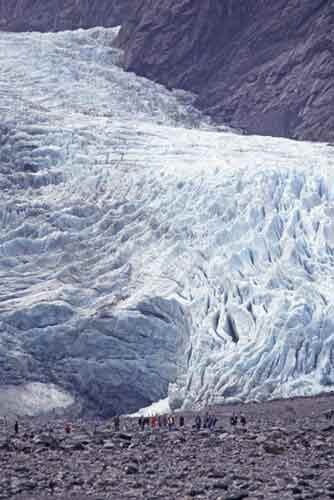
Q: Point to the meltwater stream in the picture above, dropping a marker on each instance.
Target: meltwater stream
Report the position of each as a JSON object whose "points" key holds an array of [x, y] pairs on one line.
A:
{"points": [[145, 253]]}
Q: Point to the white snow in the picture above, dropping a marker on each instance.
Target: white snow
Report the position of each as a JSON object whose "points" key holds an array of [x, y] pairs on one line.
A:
{"points": [[32, 399], [140, 247], [158, 408]]}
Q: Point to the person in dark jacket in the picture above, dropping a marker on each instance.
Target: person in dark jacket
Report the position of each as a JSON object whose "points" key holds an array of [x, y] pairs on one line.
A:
{"points": [[212, 422], [243, 420], [141, 423], [234, 420], [198, 422], [116, 423]]}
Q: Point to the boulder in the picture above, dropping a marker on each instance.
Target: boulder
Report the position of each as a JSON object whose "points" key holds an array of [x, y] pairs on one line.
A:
{"points": [[273, 448]]}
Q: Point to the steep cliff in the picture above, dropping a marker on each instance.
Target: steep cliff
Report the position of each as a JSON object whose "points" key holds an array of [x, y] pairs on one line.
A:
{"points": [[57, 15], [266, 67]]}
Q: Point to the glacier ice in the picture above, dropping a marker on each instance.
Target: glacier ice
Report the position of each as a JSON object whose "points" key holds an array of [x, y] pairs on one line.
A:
{"points": [[146, 253], [33, 399]]}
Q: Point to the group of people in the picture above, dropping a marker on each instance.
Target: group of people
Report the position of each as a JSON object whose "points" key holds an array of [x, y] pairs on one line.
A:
{"points": [[234, 420], [171, 422], [168, 421], [160, 421], [208, 422]]}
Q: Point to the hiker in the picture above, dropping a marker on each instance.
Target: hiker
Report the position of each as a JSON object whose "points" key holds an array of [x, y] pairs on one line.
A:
{"points": [[212, 422], [243, 420], [234, 420], [52, 485], [153, 422], [198, 422], [67, 428], [181, 421], [171, 422], [16, 427], [206, 420], [164, 421], [116, 423], [159, 421]]}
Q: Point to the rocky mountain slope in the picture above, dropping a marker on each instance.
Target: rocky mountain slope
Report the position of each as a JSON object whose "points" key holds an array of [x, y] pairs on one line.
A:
{"points": [[56, 15], [265, 67]]}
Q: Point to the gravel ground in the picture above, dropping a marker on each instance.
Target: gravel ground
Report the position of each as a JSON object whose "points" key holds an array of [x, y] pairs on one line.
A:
{"points": [[286, 451]]}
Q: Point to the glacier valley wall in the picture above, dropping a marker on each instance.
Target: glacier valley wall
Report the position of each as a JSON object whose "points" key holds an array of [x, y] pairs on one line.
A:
{"points": [[263, 66], [60, 15]]}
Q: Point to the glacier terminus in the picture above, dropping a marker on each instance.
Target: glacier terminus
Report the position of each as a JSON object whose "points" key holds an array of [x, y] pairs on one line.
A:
{"points": [[146, 253]]}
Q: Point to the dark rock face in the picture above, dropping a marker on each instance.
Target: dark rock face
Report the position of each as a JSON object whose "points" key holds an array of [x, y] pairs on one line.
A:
{"points": [[265, 67], [57, 15]]}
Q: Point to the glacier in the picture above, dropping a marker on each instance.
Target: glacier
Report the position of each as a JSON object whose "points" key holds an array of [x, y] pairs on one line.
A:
{"points": [[146, 253]]}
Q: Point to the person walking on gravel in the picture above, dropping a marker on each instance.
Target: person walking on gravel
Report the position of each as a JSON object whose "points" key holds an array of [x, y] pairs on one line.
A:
{"points": [[153, 422], [198, 422], [116, 423], [234, 420], [171, 422]]}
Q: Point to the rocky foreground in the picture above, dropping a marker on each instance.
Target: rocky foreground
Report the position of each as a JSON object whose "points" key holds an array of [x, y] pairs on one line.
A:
{"points": [[286, 451]]}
